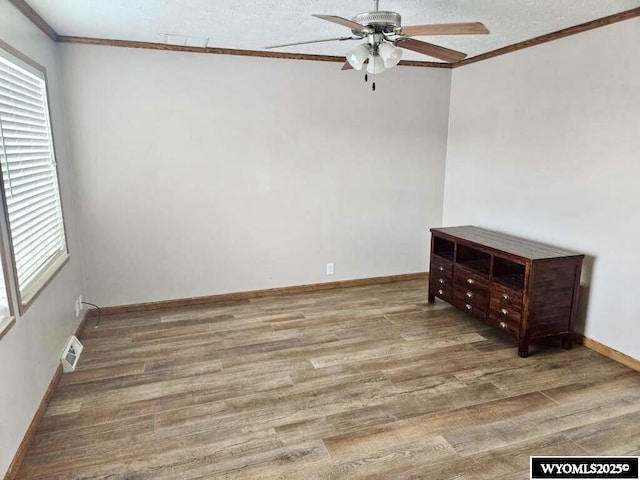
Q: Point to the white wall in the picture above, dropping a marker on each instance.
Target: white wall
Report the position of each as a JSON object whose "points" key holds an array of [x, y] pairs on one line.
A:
{"points": [[544, 143], [29, 352], [205, 174]]}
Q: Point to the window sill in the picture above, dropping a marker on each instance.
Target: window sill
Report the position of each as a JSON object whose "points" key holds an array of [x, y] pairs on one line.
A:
{"points": [[5, 325], [30, 295]]}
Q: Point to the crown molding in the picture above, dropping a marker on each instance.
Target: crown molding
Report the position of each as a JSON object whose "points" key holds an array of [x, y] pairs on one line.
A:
{"points": [[225, 51], [37, 20], [549, 37]]}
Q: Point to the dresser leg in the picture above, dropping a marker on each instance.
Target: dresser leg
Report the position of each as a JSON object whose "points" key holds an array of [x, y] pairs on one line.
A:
{"points": [[567, 341], [431, 298], [523, 348]]}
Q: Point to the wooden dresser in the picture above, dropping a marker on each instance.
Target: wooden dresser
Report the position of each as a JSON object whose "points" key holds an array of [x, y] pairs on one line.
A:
{"points": [[526, 288]]}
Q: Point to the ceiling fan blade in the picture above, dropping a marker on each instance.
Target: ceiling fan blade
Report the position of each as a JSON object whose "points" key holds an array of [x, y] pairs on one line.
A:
{"points": [[471, 28], [312, 41], [346, 66], [344, 22], [432, 50]]}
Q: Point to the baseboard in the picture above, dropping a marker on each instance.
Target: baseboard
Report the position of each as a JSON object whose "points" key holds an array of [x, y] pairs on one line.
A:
{"points": [[37, 418], [270, 292], [608, 352]]}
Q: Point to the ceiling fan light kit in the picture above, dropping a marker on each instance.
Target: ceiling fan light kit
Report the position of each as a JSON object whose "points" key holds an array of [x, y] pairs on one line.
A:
{"points": [[390, 55], [375, 65], [358, 56], [385, 37]]}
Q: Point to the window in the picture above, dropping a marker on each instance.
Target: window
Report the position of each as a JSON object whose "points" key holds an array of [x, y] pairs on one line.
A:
{"points": [[31, 196], [5, 306]]}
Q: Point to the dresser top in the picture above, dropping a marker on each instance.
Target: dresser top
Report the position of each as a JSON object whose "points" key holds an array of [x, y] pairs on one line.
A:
{"points": [[517, 246]]}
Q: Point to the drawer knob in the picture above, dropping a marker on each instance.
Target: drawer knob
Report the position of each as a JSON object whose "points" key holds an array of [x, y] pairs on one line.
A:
{"points": [[503, 325], [468, 306], [441, 268], [505, 296], [470, 281], [469, 294], [440, 292], [504, 312], [441, 280]]}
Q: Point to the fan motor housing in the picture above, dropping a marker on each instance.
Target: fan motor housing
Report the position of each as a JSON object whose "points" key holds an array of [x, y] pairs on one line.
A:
{"points": [[380, 21]]}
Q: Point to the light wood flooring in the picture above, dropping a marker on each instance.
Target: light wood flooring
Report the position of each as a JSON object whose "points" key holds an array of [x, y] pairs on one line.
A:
{"points": [[365, 382]]}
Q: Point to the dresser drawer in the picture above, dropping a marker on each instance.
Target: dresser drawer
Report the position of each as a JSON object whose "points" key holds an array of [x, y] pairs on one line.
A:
{"points": [[471, 280], [441, 286], [440, 280], [471, 309], [467, 295], [506, 297], [444, 292], [505, 322], [441, 267], [504, 309], [504, 313]]}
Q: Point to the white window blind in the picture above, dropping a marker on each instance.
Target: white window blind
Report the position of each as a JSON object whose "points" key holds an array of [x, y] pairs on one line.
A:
{"points": [[29, 174]]}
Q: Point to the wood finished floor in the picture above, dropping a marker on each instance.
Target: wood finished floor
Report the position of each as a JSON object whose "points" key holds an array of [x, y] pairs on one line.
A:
{"points": [[366, 382]]}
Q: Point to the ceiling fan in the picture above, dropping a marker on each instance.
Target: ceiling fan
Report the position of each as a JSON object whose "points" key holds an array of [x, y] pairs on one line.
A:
{"points": [[383, 34]]}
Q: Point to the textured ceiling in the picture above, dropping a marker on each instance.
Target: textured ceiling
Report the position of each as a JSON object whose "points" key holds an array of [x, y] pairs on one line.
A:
{"points": [[254, 24]]}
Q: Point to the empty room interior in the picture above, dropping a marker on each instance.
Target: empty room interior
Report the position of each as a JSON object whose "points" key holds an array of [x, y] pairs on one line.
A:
{"points": [[317, 239]]}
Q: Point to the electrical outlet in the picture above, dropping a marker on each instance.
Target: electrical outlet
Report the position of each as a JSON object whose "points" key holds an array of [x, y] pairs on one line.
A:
{"points": [[331, 268], [77, 309]]}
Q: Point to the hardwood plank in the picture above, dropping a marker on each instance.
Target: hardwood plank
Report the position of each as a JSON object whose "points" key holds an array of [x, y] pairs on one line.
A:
{"points": [[457, 363], [388, 460], [593, 388], [284, 462], [509, 463], [372, 354], [363, 382], [612, 436], [514, 377], [279, 407], [71, 438], [530, 426], [436, 423], [92, 375], [63, 406], [149, 457], [140, 400], [342, 422]]}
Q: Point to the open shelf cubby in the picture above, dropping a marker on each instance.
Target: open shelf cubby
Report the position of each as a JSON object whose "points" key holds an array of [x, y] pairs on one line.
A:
{"points": [[443, 248], [508, 273], [474, 259]]}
